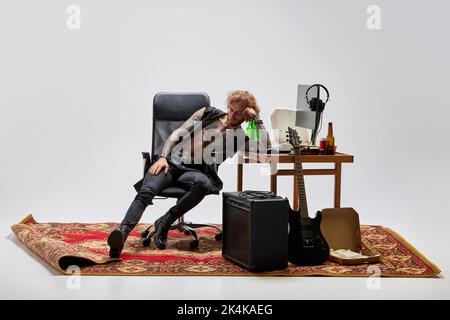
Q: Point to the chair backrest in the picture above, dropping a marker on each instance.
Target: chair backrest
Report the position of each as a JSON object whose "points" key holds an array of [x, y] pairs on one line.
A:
{"points": [[170, 111]]}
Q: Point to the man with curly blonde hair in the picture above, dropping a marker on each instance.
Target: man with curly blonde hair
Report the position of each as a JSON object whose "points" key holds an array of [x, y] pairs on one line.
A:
{"points": [[192, 163]]}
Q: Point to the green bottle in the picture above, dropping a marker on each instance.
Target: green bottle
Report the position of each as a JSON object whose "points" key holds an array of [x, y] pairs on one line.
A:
{"points": [[252, 131]]}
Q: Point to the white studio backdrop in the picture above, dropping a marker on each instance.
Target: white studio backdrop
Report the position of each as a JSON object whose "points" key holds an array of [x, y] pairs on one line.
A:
{"points": [[76, 103]]}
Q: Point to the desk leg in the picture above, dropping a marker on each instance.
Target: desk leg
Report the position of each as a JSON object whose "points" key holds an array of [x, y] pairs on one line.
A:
{"points": [[337, 185], [273, 177], [240, 169], [273, 183], [295, 193]]}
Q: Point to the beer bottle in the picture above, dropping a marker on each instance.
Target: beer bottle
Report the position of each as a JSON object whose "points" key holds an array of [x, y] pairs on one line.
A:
{"points": [[330, 139], [252, 130]]}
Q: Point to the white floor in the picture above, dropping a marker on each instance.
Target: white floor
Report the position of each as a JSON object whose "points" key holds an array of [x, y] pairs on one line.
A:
{"points": [[25, 276]]}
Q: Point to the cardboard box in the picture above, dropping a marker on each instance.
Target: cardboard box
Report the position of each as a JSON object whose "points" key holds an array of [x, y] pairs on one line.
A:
{"points": [[341, 229]]}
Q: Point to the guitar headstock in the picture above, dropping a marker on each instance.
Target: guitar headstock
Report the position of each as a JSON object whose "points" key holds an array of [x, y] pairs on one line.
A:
{"points": [[293, 138]]}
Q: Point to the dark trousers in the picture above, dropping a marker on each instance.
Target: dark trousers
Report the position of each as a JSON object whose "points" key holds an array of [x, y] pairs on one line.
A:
{"points": [[189, 177]]}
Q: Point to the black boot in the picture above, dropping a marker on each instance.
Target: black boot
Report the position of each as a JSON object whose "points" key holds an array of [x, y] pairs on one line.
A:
{"points": [[162, 227], [117, 239]]}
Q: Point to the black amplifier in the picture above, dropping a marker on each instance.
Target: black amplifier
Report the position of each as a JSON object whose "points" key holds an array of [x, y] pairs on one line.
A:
{"points": [[255, 230]]}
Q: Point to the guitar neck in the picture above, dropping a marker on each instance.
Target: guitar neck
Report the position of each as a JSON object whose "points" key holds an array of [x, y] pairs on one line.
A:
{"points": [[303, 204]]}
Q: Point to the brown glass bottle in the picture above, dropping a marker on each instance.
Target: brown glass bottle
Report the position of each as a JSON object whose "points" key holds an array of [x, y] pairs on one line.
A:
{"points": [[330, 139]]}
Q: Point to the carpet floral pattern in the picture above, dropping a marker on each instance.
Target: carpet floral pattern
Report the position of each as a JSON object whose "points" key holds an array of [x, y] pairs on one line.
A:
{"points": [[84, 245]]}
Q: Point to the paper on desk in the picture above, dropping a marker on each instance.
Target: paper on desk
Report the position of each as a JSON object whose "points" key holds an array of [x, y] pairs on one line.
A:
{"points": [[281, 119]]}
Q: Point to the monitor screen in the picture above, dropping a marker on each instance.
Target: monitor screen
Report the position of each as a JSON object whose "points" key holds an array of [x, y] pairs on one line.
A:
{"points": [[301, 92], [304, 117]]}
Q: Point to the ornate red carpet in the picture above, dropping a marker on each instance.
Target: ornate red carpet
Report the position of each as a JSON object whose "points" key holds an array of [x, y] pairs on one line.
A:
{"points": [[84, 245]]}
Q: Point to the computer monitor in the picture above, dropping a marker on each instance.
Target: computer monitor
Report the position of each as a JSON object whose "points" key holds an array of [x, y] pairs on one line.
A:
{"points": [[301, 93], [304, 117]]}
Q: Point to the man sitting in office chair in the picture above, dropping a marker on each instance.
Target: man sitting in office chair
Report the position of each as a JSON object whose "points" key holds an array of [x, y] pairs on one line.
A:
{"points": [[179, 165]]}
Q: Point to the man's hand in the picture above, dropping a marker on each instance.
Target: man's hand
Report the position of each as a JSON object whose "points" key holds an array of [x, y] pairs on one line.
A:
{"points": [[159, 165], [248, 113]]}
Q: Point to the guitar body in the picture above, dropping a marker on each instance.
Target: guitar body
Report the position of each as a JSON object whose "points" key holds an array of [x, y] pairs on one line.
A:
{"points": [[306, 244]]}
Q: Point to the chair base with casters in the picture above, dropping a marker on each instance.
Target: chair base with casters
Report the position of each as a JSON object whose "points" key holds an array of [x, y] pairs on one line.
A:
{"points": [[180, 225]]}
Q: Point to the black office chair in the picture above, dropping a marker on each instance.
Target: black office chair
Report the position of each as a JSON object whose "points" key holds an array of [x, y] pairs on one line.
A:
{"points": [[170, 111]]}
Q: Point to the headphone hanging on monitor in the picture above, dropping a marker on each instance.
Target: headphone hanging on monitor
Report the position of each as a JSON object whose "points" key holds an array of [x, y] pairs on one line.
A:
{"points": [[316, 104]]}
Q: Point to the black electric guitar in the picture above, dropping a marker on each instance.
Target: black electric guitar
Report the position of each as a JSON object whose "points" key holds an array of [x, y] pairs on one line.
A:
{"points": [[306, 244]]}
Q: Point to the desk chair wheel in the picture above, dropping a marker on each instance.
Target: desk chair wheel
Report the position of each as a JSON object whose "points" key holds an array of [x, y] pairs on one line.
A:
{"points": [[146, 242], [218, 237], [193, 244]]}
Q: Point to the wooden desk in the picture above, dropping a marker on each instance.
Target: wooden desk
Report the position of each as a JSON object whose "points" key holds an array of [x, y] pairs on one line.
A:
{"points": [[274, 159]]}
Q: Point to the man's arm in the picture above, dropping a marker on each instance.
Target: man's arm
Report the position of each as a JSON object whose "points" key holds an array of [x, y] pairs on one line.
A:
{"points": [[185, 128]]}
